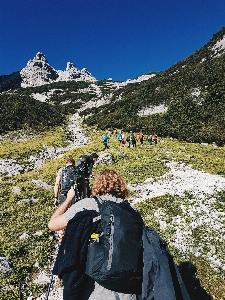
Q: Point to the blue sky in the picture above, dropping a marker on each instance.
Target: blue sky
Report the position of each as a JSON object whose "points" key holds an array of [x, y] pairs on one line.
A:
{"points": [[119, 39]]}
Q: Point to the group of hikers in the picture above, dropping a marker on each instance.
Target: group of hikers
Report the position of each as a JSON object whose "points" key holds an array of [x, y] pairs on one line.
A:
{"points": [[129, 140], [106, 251]]}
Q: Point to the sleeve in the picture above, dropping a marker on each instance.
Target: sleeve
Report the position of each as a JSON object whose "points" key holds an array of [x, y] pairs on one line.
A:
{"points": [[59, 173], [87, 203]]}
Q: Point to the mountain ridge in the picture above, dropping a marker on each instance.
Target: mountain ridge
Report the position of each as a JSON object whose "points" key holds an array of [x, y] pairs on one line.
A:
{"points": [[39, 72], [186, 101], [192, 90]]}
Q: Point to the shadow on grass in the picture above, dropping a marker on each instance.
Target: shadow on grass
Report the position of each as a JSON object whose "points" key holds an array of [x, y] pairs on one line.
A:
{"points": [[189, 275]]}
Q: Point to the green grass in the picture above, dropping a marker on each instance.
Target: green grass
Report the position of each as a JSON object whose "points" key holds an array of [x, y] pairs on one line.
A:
{"points": [[135, 165], [165, 215], [23, 149]]}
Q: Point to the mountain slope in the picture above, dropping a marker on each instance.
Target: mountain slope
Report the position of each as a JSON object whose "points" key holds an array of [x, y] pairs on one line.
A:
{"points": [[179, 188], [192, 92], [186, 101]]}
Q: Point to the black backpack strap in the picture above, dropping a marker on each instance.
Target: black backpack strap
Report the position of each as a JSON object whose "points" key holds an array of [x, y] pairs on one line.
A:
{"points": [[99, 207], [98, 202]]}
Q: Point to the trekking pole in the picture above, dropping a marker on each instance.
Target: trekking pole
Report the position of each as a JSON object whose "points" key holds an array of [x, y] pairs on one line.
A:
{"points": [[49, 286], [51, 279]]}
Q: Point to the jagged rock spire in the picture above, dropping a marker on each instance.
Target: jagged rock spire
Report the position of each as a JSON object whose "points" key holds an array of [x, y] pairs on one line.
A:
{"points": [[38, 72], [72, 73], [40, 56]]}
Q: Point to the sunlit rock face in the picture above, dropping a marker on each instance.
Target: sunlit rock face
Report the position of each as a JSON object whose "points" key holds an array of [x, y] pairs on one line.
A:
{"points": [[219, 47], [39, 72], [72, 73]]}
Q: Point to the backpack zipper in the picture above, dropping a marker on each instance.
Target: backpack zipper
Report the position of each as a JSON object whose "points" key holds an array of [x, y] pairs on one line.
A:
{"points": [[111, 241]]}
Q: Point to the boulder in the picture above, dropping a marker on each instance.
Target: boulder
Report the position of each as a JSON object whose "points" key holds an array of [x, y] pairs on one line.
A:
{"points": [[5, 265], [105, 158]]}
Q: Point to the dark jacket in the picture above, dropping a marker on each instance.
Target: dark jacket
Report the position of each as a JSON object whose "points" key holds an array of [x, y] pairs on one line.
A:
{"points": [[70, 263], [161, 278]]}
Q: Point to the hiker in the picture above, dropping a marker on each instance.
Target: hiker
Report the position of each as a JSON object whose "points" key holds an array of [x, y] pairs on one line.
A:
{"points": [[63, 182], [153, 274], [121, 140], [108, 186], [155, 138], [89, 163], [128, 141], [105, 141], [150, 139], [133, 140], [141, 138], [86, 163]]}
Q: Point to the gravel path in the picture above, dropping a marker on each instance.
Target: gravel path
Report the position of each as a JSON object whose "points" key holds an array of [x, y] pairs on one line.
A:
{"points": [[12, 167]]}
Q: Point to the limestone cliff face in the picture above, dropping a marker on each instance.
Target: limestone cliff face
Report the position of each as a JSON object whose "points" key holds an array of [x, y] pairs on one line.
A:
{"points": [[72, 73], [38, 72]]}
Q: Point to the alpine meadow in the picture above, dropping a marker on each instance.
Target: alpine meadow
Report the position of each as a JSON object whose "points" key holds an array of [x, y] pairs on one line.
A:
{"points": [[177, 185]]}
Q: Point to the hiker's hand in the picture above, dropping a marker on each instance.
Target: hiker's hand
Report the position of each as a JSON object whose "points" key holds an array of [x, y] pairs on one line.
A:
{"points": [[56, 202]]}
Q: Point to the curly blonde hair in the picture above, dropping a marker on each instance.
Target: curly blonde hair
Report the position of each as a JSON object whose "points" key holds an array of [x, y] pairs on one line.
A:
{"points": [[110, 182]]}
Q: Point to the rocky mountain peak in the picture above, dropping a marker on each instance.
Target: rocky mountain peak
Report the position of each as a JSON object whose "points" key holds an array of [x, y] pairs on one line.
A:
{"points": [[39, 72], [72, 73], [84, 70], [40, 56], [69, 66]]}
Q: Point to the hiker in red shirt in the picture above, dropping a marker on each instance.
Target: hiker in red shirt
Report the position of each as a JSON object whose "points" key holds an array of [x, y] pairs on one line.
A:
{"points": [[141, 138], [155, 138]]}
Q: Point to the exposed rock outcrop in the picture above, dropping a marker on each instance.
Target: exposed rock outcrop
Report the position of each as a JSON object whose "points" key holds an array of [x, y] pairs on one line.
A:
{"points": [[39, 72], [72, 73], [105, 158], [5, 265]]}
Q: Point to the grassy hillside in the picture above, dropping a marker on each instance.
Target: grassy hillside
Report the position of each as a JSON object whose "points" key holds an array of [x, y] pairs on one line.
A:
{"points": [[29, 209], [193, 90], [20, 109]]}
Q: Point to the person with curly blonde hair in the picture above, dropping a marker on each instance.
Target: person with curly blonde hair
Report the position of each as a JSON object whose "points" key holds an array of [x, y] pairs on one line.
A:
{"points": [[108, 186], [110, 182]]}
